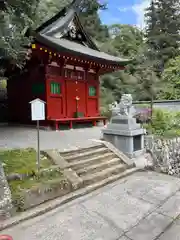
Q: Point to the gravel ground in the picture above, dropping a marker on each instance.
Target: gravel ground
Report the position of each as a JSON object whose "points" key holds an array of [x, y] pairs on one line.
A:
{"points": [[23, 137]]}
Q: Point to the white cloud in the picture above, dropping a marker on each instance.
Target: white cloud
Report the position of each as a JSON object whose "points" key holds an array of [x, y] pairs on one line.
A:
{"points": [[124, 9], [139, 10]]}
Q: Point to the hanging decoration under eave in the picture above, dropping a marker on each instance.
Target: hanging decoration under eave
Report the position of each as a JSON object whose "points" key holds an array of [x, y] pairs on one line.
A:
{"points": [[51, 54]]}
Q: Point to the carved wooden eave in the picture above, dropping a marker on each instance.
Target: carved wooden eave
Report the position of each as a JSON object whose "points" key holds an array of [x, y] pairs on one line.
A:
{"points": [[65, 35]]}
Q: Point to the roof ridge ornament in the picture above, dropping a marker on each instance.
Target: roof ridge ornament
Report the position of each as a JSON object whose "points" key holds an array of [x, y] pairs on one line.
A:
{"points": [[72, 30]]}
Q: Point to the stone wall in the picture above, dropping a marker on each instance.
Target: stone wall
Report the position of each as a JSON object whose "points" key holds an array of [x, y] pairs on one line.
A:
{"points": [[41, 193], [5, 196], [169, 105], [165, 154]]}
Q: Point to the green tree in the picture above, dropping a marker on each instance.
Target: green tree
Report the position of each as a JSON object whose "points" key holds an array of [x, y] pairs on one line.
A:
{"points": [[118, 83], [91, 21], [47, 9], [126, 39], [148, 83], [152, 31], [162, 30], [15, 19], [171, 80]]}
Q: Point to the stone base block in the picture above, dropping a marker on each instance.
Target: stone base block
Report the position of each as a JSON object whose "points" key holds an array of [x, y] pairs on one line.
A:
{"points": [[132, 146]]}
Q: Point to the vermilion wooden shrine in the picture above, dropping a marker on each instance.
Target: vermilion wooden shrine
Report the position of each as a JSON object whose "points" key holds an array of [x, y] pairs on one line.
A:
{"points": [[63, 71]]}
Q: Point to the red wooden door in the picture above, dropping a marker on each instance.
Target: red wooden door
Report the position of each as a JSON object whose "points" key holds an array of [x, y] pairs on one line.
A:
{"points": [[55, 98], [93, 98], [75, 90]]}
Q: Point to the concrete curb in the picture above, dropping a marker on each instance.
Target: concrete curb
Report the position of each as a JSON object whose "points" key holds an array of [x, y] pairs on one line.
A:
{"points": [[50, 205]]}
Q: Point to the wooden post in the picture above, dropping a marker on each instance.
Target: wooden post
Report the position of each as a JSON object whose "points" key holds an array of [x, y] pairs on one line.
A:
{"points": [[38, 147], [37, 114]]}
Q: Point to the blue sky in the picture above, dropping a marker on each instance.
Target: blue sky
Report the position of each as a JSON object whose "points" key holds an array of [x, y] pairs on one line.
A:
{"points": [[125, 12]]}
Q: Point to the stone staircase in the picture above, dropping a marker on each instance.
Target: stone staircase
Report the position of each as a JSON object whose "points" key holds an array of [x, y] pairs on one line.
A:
{"points": [[99, 163]]}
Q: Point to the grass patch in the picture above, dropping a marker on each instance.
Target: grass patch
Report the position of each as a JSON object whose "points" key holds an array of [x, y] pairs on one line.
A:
{"points": [[18, 186], [23, 161]]}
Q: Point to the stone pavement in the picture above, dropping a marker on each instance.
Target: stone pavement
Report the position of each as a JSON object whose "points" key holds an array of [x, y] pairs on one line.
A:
{"points": [[142, 206], [23, 137]]}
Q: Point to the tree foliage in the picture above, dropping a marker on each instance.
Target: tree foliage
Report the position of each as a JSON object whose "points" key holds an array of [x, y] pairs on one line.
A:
{"points": [[171, 80], [127, 39], [15, 19], [91, 20], [47, 9], [162, 29]]}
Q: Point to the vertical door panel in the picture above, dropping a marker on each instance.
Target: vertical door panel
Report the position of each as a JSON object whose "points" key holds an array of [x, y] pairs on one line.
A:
{"points": [[55, 98], [75, 89]]}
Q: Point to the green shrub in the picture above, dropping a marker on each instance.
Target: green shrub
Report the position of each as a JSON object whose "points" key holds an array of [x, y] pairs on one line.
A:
{"points": [[160, 121], [176, 120], [164, 123], [172, 133]]}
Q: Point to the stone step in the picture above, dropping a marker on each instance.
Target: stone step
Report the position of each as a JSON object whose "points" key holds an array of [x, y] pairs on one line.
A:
{"points": [[80, 150], [87, 154], [111, 179], [75, 165], [98, 176], [98, 167]]}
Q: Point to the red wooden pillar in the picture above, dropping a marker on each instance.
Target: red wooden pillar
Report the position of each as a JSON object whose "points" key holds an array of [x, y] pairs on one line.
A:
{"points": [[98, 89], [62, 62], [86, 82]]}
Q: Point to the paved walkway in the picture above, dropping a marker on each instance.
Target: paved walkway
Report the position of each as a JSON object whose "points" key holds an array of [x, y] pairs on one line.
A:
{"points": [[23, 137], [143, 206]]}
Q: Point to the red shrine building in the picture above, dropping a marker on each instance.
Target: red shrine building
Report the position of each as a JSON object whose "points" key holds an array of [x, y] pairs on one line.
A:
{"points": [[63, 71]]}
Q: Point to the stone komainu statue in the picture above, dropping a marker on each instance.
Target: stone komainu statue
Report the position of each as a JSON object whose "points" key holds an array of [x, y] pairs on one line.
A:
{"points": [[125, 104], [125, 107]]}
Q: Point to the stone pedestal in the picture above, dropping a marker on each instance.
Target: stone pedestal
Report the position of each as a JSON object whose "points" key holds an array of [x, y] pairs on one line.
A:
{"points": [[126, 135]]}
